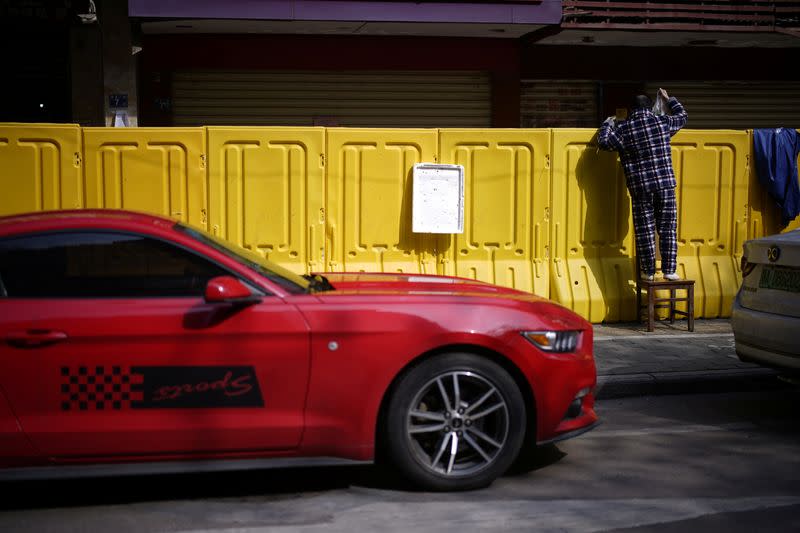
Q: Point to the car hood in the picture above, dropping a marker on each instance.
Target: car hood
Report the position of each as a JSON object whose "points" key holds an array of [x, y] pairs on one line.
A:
{"points": [[396, 283], [432, 288]]}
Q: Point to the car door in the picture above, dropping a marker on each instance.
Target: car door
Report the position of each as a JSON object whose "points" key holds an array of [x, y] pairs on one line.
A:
{"points": [[108, 348]]}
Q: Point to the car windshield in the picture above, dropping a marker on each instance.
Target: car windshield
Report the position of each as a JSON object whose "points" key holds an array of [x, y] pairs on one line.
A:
{"points": [[287, 279]]}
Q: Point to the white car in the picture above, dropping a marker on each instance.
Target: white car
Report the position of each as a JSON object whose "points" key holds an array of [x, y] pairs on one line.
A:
{"points": [[766, 312]]}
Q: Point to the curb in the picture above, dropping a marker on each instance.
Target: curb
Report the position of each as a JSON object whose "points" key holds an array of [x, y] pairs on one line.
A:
{"points": [[650, 336], [662, 383]]}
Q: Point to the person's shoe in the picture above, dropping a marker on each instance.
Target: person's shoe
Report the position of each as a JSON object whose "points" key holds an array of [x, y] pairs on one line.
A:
{"points": [[672, 277], [646, 277]]}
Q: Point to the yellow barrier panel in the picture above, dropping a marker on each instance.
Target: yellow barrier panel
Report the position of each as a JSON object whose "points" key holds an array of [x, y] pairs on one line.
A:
{"points": [[592, 240], [155, 170], [565, 232], [266, 192], [795, 224], [713, 176], [506, 198], [369, 189], [764, 215], [40, 167]]}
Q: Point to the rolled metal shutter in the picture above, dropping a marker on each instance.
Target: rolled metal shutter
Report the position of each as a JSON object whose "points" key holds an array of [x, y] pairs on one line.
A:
{"points": [[307, 98], [736, 104], [558, 104]]}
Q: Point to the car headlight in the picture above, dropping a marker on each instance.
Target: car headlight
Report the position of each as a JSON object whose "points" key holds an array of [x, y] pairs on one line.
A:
{"points": [[554, 341]]}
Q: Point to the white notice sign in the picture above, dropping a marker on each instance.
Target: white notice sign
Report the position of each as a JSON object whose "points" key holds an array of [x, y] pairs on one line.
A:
{"points": [[438, 199]]}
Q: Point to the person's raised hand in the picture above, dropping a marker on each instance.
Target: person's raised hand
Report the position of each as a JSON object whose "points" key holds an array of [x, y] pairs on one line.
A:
{"points": [[663, 93]]}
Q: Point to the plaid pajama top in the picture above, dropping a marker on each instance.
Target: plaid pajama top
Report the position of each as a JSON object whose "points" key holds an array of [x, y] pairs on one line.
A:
{"points": [[643, 145]]}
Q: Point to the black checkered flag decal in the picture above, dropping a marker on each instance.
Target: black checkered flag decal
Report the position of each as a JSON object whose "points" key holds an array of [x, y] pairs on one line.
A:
{"points": [[98, 388]]}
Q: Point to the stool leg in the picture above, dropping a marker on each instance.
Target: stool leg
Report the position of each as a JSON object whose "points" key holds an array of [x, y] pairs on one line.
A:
{"points": [[651, 311], [690, 306], [638, 302], [672, 306]]}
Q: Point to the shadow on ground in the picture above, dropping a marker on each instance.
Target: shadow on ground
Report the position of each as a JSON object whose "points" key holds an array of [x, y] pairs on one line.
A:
{"points": [[275, 484], [132, 489]]}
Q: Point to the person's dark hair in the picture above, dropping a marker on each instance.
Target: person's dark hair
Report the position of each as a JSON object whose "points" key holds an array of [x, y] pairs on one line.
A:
{"points": [[641, 100]]}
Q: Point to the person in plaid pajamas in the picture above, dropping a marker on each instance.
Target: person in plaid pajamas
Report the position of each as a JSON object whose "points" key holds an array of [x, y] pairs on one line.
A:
{"points": [[643, 143]]}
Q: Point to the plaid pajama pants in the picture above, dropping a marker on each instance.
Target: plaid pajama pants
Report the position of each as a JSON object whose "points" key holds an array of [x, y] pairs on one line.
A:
{"points": [[656, 212]]}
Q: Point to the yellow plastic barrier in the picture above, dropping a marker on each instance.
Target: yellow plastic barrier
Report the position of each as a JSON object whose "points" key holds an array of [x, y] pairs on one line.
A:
{"points": [[795, 224], [593, 240], [266, 192], [764, 215], [40, 167], [506, 197], [368, 199], [545, 210], [713, 176], [156, 170]]}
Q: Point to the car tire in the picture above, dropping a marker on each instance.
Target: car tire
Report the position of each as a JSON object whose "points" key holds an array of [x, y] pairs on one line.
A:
{"points": [[454, 422]]}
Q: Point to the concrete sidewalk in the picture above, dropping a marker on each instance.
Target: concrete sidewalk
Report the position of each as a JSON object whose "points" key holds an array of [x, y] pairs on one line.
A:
{"points": [[630, 361]]}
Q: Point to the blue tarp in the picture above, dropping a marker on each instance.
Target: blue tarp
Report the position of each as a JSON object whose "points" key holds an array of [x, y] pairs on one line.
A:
{"points": [[776, 165]]}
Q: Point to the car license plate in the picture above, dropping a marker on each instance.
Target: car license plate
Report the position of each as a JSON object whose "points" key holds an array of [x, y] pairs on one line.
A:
{"points": [[780, 279]]}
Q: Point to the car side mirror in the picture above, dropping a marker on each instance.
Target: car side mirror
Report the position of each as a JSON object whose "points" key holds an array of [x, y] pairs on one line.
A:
{"points": [[227, 289]]}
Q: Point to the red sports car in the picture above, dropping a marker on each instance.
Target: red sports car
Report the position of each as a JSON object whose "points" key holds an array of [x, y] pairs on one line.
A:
{"points": [[135, 344]]}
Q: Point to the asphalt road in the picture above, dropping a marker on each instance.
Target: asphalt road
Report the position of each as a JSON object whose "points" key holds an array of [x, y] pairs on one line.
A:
{"points": [[704, 462]]}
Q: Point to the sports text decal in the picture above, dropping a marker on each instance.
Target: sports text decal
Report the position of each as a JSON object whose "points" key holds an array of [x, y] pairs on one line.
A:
{"points": [[158, 387]]}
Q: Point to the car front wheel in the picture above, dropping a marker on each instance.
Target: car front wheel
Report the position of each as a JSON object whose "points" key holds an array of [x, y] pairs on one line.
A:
{"points": [[455, 422]]}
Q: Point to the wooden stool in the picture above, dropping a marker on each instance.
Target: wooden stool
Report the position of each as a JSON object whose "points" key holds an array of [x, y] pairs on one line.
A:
{"points": [[653, 302]]}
